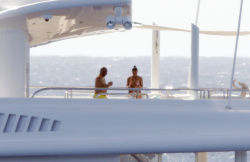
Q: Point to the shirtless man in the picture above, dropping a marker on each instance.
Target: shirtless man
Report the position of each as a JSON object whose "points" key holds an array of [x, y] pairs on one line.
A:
{"points": [[135, 81], [243, 86], [101, 83]]}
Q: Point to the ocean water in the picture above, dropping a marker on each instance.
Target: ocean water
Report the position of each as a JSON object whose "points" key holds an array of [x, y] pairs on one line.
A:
{"points": [[80, 71], [215, 72]]}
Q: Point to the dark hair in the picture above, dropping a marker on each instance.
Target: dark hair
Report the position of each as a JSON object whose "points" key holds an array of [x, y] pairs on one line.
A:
{"points": [[134, 68], [103, 69]]}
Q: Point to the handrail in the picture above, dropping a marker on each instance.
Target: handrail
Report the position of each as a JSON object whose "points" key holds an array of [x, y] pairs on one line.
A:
{"points": [[128, 89], [201, 90], [131, 94]]}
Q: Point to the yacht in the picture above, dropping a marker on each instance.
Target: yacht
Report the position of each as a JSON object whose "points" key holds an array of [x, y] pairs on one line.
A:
{"points": [[121, 128]]}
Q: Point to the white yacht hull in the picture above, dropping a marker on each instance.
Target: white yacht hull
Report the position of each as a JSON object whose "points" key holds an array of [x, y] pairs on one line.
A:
{"points": [[48, 127]]}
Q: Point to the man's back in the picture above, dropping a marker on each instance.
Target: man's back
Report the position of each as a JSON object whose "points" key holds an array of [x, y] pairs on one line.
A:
{"points": [[100, 83]]}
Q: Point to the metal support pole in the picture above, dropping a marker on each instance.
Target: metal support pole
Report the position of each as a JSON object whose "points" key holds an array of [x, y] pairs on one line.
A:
{"points": [[201, 157], [160, 157], [194, 65], [235, 53], [240, 156], [155, 61], [197, 13], [14, 63]]}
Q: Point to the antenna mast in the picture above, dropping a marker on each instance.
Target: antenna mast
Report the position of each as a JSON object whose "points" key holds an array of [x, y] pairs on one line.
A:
{"points": [[235, 53]]}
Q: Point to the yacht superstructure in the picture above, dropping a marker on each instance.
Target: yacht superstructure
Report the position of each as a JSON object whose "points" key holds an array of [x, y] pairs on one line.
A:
{"points": [[101, 130]]}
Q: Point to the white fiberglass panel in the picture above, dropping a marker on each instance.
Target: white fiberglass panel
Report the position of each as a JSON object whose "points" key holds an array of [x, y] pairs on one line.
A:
{"points": [[88, 127]]}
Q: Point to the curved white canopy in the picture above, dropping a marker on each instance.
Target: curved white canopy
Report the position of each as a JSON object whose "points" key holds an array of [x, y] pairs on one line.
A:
{"points": [[68, 19]]}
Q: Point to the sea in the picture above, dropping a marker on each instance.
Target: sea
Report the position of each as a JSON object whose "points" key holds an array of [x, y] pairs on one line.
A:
{"points": [[80, 71], [214, 72]]}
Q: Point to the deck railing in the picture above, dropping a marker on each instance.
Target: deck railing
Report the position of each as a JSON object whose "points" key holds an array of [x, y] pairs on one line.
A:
{"points": [[203, 93]]}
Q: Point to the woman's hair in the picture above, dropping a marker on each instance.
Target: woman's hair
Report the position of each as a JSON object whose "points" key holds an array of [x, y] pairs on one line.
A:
{"points": [[134, 68]]}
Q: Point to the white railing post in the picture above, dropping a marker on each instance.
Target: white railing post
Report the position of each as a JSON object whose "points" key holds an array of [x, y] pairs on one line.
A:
{"points": [[240, 156], [201, 157]]}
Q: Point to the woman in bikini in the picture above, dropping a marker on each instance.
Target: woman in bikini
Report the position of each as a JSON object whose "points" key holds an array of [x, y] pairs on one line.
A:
{"points": [[135, 81]]}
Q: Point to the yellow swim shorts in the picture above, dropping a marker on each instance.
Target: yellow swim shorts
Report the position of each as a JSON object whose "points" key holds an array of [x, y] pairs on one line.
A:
{"points": [[100, 96]]}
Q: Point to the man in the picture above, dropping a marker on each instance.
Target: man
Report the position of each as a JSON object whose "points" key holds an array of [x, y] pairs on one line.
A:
{"points": [[135, 81], [101, 83]]}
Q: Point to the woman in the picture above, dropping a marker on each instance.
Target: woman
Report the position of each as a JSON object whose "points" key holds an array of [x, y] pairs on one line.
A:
{"points": [[135, 81]]}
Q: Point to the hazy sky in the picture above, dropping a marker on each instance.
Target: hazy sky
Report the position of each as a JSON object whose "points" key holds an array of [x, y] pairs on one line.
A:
{"points": [[214, 15]]}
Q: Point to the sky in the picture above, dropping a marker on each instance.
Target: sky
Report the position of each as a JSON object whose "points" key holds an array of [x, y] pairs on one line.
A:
{"points": [[217, 15]]}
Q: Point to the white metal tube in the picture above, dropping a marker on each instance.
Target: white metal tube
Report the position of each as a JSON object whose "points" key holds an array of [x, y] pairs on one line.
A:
{"points": [[197, 13], [27, 70], [155, 61], [194, 65], [235, 53], [14, 50], [194, 74]]}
